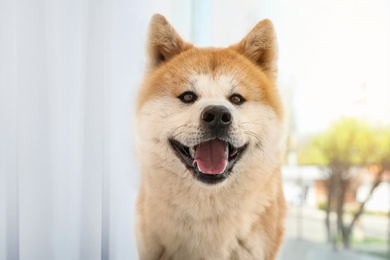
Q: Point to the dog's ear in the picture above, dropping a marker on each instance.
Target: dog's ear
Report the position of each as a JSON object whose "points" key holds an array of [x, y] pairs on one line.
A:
{"points": [[260, 46], [164, 42]]}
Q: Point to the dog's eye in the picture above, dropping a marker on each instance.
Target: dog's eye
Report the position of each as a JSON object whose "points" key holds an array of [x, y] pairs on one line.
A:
{"points": [[236, 99], [188, 97]]}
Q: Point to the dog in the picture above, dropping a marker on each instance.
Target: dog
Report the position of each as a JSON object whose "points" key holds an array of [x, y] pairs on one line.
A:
{"points": [[209, 135]]}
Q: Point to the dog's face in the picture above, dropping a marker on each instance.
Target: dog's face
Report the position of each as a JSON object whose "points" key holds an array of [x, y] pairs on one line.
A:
{"points": [[209, 115]]}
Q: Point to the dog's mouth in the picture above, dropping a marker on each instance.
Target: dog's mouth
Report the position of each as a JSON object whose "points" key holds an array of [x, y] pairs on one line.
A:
{"points": [[210, 161]]}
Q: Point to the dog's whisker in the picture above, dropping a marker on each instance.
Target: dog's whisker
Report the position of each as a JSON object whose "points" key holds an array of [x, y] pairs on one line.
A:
{"points": [[176, 129], [250, 133], [253, 123]]}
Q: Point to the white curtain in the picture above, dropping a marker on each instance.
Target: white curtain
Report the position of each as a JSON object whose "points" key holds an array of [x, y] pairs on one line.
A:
{"points": [[69, 73]]}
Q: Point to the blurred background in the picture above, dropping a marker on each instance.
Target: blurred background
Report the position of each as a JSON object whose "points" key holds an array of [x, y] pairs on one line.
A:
{"points": [[69, 74]]}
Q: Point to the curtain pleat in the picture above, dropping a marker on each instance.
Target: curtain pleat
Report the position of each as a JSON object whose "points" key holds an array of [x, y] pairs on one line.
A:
{"points": [[69, 74]]}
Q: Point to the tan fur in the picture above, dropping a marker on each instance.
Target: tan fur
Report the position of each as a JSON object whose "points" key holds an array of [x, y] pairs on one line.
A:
{"points": [[177, 216]]}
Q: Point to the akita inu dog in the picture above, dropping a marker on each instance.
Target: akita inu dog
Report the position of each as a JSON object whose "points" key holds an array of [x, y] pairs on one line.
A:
{"points": [[209, 137]]}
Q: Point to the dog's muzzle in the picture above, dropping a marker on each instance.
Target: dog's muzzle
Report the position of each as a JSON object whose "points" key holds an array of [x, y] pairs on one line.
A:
{"points": [[213, 158]]}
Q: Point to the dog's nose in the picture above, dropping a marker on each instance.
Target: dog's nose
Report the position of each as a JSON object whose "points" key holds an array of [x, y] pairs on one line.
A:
{"points": [[216, 117]]}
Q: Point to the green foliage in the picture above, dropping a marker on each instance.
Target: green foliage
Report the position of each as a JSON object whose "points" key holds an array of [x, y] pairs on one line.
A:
{"points": [[347, 142], [311, 154]]}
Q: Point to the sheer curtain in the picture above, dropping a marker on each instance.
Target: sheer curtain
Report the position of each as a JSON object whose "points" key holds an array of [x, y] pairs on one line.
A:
{"points": [[69, 73]]}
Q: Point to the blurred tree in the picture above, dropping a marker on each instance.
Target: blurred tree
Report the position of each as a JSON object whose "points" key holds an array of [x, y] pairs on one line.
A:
{"points": [[346, 144]]}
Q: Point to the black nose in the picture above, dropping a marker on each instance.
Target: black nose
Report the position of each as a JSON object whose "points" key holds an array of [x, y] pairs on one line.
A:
{"points": [[216, 117]]}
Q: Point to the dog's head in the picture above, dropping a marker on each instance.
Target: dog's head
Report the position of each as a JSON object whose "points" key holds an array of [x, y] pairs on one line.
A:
{"points": [[210, 113]]}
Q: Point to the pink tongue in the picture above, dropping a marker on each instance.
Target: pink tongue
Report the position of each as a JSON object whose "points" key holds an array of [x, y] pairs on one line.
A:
{"points": [[211, 157]]}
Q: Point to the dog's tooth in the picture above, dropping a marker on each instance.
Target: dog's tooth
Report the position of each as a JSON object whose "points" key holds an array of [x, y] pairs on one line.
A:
{"points": [[233, 152], [192, 152]]}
